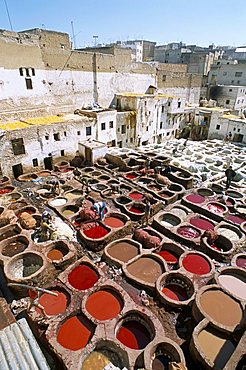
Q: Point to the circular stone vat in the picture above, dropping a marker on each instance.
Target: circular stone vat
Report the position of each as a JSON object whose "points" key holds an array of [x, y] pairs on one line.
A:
{"points": [[70, 211], [67, 188], [24, 265], [58, 202], [221, 244], [58, 251], [88, 169], [114, 222], [188, 232], [146, 269], [136, 196], [6, 190], [201, 223], [94, 230], [195, 198], [239, 260], [9, 231], [196, 263], [83, 277], [218, 189], [104, 178], [165, 353], [122, 200], [15, 245], [218, 307], [236, 219], [14, 197], [29, 209], [234, 194], [4, 180], [53, 305], [230, 232], [205, 192], [137, 209], [75, 333], [168, 220], [17, 205], [44, 173], [74, 194], [216, 208], [99, 187], [105, 304], [131, 175], [173, 286], [180, 212], [233, 280], [96, 173], [166, 194], [133, 332], [123, 250]]}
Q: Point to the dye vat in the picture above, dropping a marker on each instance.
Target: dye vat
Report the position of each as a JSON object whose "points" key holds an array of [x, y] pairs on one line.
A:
{"points": [[175, 292], [74, 194], [196, 264], [83, 277], [236, 219], [230, 233], [201, 223], [195, 198], [215, 347], [123, 251], [123, 200], [131, 176], [9, 231], [241, 262], [6, 190], [188, 232], [104, 304], [95, 361], [95, 231], [70, 211], [30, 211], [216, 208], [24, 265], [205, 192], [169, 257], [146, 269], [14, 246], [169, 220], [55, 255], [58, 202], [133, 334], [220, 307], [234, 284], [53, 305], [161, 362], [114, 222], [181, 213], [136, 196], [136, 210], [75, 333]]}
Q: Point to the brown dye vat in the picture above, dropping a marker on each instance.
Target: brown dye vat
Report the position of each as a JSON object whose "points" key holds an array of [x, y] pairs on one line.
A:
{"points": [[17, 205], [234, 284], [123, 251], [55, 255], [95, 361], [217, 348], [113, 222], [221, 307], [44, 174], [146, 269], [12, 231], [68, 213], [14, 248]]}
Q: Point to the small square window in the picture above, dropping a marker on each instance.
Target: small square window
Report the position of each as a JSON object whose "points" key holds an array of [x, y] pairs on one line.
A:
{"points": [[57, 137], [27, 72], [161, 125], [33, 71], [118, 129], [78, 133], [46, 137], [88, 131], [230, 90], [123, 129], [238, 130], [169, 103], [217, 127], [168, 133], [28, 83], [21, 71], [131, 139], [232, 81], [35, 162], [65, 134], [238, 74], [227, 101], [162, 109], [179, 104], [111, 124], [103, 126], [62, 153], [234, 129]]}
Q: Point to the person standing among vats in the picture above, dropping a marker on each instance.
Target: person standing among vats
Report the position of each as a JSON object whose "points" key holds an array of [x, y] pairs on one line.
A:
{"points": [[147, 165], [230, 174], [99, 209], [146, 217], [85, 180]]}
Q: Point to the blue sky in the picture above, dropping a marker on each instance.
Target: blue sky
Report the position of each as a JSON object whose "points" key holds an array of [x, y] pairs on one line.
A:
{"points": [[191, 21]]}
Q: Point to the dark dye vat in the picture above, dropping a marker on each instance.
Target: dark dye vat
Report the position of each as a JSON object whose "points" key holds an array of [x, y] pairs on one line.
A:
{"points": [[136, 196], [13, 248], [161, 362], [188, 232], [169, 257], [236, 219], [218, 246], [241, 262], [201, 223], [216, 208], [196, 264], [75, 333], [135, 210], [9, 233], [83, 277], [175, 292], [133, 335], [95, 232], [123, 200], [195, 198]]}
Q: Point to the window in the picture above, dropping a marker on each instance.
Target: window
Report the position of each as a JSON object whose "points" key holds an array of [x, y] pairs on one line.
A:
{"points": [[88, 131], [147, 128], [28, 83], [238, 102], [111, 124], [123, 129], [27, 72], [162, 109], [103, 126], [234, 129], [18, 146], [46, 137], [217, 127], [227, 101], [65, 134], [238, 74], [168, 133], [131, 139], [179, 104], [161, 125], [21, 71], [62, 46], [230, 90], [57, 137], [35, 162], [118, 129], [164, 77], [169, 103], [62, 153], [33, 71], [78, 133], [232, 81], [238, 130], [238, 82]]}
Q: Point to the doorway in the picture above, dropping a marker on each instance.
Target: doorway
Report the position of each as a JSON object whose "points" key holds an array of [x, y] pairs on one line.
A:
{"points": [[88, 154], [48, 163], [17, 170]]}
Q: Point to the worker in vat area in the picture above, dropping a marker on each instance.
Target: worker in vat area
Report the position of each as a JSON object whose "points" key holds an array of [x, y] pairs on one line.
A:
{"points": [[147, 165], [46, 229], [99, 209], [166, 169], [76, 172], [146, 217], [115, 188], [223, 198], [55, 186], [230, 174], [211, 236], [85, 180]]}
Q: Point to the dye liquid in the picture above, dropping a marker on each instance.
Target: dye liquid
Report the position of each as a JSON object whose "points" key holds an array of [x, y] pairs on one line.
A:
{"points": [[241, 262], [13, 248], [195, 198], [113, 222], [53, 305], [135, 210], [175, 292], [196, 264], [168, 257], [236, 219], [104, 305], [131, 176], [201, 223], [82, 277], [5, 191], [95, 232], [161, 362], [136, 196], [75, 333], [146, 269], [55, 255], [216, 208], [188, 232], [95, 361], [123, 251], [133, 335]]}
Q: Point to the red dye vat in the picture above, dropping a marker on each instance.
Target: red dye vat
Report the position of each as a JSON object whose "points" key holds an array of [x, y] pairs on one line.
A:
{"points": [[95, 232], [83, 277], [216, 208], [168, 257], [188, 232], [103, 305], [175, 292], [241, 262], [201, 223], [53, 305], [131, 176], [135, 210], [113, 222], [216, 247], [55, 255], [133, 335], [136, 196], [195, 198], [236, 219], [196, 264], [29, 211], [5, 191], [75, 333]]}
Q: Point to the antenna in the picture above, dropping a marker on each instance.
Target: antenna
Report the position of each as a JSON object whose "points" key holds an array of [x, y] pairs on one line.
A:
{"points": [[95, 37], [74, 39], [7, 9]]}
